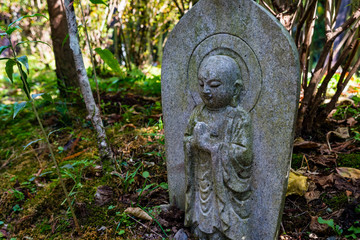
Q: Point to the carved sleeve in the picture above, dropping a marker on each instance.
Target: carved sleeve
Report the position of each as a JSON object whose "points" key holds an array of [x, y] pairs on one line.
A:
{"points": [[237, 154], [189, 174], [240, 151]]}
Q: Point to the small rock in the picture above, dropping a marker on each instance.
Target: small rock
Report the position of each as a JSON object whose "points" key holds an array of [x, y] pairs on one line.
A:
{"points": [[332, 238], [165, 207], [103, 195], [181, 235], [103, 228]]}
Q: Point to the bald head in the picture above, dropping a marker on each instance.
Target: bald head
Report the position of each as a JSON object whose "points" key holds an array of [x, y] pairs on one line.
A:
{"points": [[220, 65], [219, 78]]}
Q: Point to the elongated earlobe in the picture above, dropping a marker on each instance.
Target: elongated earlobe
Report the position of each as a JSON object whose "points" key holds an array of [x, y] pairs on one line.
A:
{"points": [[237, 90]]}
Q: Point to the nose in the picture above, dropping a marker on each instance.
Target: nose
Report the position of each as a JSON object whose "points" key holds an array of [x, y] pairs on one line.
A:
{"points": [[206, 91]]}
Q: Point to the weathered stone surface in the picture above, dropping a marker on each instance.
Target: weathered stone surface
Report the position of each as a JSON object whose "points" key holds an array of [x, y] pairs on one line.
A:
{"points": [[269, 69], [218, 155]]}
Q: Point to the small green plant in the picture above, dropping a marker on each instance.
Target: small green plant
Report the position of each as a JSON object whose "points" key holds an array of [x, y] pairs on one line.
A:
{"points": [[353, 231], [337, 229], [17, 208], [22, 66], [124, 221], [18, 195], [128, 178], [145, 187]]}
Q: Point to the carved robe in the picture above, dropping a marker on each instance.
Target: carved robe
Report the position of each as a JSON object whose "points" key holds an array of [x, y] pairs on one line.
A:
{"points": [[218, 161]]}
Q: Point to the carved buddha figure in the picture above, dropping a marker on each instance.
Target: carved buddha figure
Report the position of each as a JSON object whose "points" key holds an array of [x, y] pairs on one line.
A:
{"points": [[218, 155]]}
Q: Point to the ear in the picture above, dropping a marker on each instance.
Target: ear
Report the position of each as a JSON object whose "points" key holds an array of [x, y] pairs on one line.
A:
{"points": [[238, 86], [237, 89]]}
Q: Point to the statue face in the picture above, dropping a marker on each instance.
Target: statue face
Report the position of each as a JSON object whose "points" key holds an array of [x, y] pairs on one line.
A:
{"points": [[217, 76]]}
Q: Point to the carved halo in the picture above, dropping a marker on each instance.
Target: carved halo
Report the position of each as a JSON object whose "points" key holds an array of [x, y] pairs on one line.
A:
{"points": [[239, 50]]}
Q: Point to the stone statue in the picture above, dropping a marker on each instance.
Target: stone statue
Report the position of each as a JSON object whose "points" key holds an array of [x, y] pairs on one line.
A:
{"points": [[218, 155]]}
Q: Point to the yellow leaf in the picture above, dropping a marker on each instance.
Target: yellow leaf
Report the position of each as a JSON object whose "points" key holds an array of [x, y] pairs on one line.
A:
{"points": [[297, 184], [348, 172], [138, 212]]}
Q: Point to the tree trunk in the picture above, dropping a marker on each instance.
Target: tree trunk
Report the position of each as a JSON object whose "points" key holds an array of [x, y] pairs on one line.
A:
{"points": [[64, 59], [92, 108]]}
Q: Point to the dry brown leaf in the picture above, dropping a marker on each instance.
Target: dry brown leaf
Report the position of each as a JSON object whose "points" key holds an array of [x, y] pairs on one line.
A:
{"points": [[324, 160], [312, 193], [347, 172], [297, 184], [325, 181], [351, 122], [348, 193], [341, 132], [342, 146], [130, 125], [315, 226], [301, 143], [138, 212]]}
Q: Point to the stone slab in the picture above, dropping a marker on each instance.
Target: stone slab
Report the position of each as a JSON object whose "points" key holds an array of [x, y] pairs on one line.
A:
{"points": [[270, 70]]}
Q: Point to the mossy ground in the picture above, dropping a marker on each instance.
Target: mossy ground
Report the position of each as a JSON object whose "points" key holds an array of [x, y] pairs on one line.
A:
{"points": [[32, 202]]}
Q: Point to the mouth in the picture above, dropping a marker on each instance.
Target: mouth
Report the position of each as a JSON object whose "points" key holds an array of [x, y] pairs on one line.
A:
{"points": [[207, 96]]}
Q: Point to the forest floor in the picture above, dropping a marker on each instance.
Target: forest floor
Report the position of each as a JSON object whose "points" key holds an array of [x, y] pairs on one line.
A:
{"points": [[128, 198]]}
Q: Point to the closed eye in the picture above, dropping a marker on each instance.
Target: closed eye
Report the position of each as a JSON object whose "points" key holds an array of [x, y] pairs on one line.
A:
{"points": [[201, 82], [214, 83]]}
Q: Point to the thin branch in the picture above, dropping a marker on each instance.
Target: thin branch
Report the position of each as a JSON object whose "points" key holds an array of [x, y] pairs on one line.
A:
{"points": [[346, 24], [341, 87], [268, 7], [321, 92], [310, 8], [294, 17], [178, 6], [328, 6]]}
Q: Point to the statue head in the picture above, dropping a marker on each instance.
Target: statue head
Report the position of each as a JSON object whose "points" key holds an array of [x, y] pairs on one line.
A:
{"points": [[219, 81]]}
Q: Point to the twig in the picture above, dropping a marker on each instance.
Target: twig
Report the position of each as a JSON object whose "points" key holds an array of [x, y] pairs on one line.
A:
{"points": [[268, 8], [144, 225], [37, 158], [282, 227], [178, 6], [75, 155], [74, 145]]}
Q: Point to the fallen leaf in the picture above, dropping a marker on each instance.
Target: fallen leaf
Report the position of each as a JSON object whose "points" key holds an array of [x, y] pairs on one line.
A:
{"points": [[130, 125], [312, 193], [351, 122], [138, 212], [301, 143], [324, 181], [313, 236], [347, 172], [348, 193], [103, 195], [341, 132], [342, 146], [324, 160], [315, 226], [297, 184]]}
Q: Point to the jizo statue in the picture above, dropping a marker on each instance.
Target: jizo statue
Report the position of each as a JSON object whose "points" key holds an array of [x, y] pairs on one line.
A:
{"points": [[230, 92], [218, 156]]}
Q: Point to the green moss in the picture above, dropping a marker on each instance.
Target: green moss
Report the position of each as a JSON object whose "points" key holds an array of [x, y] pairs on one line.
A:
{"points": [[349, 160], [336, 202], [296, 160]]}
